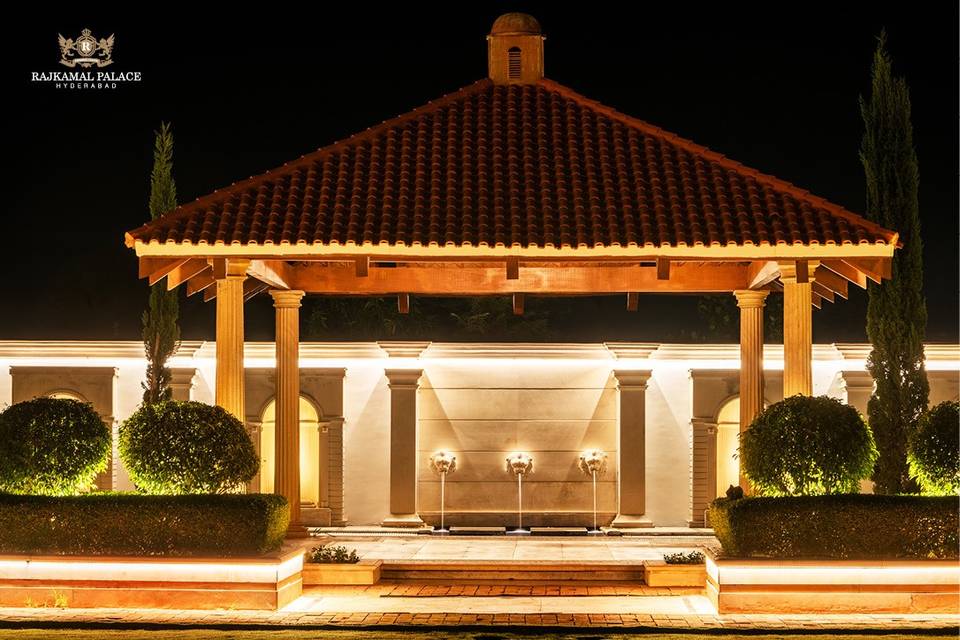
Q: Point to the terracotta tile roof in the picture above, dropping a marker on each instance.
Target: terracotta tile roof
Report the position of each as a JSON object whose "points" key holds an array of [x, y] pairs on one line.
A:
{"points": [[532, 165]]}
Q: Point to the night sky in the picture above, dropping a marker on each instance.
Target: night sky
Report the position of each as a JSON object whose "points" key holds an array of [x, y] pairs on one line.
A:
{"points": [[773, 88]]}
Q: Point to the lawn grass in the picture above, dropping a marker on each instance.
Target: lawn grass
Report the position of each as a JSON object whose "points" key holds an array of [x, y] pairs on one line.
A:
{"points": [[492, 634]]}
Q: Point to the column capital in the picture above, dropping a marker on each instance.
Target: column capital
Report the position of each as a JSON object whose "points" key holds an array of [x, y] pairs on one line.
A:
{"points": [[631, 378], [286, 298], [788, 270], [230, 268], [403, 378], [751, 298], [857, 379]]}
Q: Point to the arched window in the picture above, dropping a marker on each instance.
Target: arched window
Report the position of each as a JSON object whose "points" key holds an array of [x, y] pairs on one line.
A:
{"points": [[66, 395], [513, 63], [309, 450], [728, 440]]}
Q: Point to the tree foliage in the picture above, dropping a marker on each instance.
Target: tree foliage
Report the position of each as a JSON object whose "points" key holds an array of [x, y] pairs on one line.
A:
{"points": [[186, 447], [896, 310], [161, 333], [51, 446], [934, 454], [805, 446]]}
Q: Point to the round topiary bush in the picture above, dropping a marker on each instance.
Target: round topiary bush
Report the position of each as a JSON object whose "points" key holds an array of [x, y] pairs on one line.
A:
{"points": [[51, 446], [807, 446], [934, 452], [186, 447]]}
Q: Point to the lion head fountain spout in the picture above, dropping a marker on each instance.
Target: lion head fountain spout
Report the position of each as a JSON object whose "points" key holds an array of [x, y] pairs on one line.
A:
{"points": [[443, 462], [519, 464], [593, 462]]}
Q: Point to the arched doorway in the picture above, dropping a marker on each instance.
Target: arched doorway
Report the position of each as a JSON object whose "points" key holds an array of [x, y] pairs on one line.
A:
{"points": [[309, 450], [728, 440], [66, 395]]}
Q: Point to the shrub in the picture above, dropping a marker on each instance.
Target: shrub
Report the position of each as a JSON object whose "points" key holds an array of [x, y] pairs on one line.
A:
{"points": [[186, 447], [934, 452], [850, 526], [138, 525], [51, 446], [807, 446], [333, 555], [693, 557]]}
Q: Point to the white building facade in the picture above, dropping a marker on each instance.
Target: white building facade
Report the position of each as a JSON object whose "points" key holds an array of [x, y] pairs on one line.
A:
{"points": [[372, 414]]}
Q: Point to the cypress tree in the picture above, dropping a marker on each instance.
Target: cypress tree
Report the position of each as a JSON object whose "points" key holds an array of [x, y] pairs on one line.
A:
{"points": [[896, 311], [161, 333]]}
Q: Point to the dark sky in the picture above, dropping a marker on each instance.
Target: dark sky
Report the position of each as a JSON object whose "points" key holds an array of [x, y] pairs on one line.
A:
{"points": [[773, 87]]}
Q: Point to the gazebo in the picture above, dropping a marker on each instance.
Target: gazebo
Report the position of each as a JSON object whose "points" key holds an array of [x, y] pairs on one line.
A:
{"points": [[514, 185]]}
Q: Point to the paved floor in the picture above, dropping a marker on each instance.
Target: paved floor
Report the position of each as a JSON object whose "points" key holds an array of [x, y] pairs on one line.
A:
{"points": [[675, 620], [528, 549]]}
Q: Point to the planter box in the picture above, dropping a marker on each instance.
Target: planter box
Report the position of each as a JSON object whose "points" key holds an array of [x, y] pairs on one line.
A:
{"points": [[657, 573], [833, 586], [364, 572], [265, 583]]}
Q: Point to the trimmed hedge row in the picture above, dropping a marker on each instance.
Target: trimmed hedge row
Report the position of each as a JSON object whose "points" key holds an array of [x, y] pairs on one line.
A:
{"points": [[121, 524], [848, 526]]}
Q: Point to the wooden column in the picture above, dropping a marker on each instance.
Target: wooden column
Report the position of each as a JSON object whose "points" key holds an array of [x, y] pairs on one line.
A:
{"points": [[404, 384], [631, 448], [751, 359], [229, 381], [287, 467], [797, 329]]}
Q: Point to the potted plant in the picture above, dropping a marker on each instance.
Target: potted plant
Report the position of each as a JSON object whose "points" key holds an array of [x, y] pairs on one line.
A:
{"points": [[333, 565]]}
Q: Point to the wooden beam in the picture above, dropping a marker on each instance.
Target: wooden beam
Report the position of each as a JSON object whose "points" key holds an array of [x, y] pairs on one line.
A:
{"points": [[568, 279], [518, 300], [275, 273], [761, 273], [633, 301], [848, 272], [252, 287], [158, 274], [663, 269], [209, 294], [803, 271], [186, 271], [200, 282], [513, 269], [817, 300], [832, 281], [403, 303], [823, 291], [147, 266], [362, 266], [875, 270], [219, 268]]}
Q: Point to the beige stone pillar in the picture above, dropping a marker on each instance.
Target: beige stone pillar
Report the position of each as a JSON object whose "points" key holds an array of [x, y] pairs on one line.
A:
{"points": [[287, 467], [797, 331], [181, 383], [404, 384], [859, 386], [751, 359], [229, 392], [631, 449]]}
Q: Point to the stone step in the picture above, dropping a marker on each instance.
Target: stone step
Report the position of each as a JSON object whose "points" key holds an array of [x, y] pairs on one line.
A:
{"points": [[511, 572]]}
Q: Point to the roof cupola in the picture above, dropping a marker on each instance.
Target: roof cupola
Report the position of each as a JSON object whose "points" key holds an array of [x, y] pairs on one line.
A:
{"points": [[515, 49]]}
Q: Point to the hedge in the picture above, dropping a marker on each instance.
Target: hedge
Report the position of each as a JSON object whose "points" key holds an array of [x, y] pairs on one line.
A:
{"points": [[124, 524], [847, 526]]}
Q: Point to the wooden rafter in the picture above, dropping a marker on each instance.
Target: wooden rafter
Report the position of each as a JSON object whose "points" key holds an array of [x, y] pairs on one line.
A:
{"points": [[186, 271], [663, 269], [760, 273], [275, 273], [848, 272], [252, 287], [633, 301], [403, 303], [159, 273], [831, 281], [200, 282]]}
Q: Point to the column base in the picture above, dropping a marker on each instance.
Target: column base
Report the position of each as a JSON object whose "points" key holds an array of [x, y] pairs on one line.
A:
{"points": [[631, 522], [297, 530], [407, 520]]}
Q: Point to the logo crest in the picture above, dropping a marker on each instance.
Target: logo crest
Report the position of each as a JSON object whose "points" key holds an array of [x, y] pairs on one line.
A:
{"points": [[86, 51]]}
